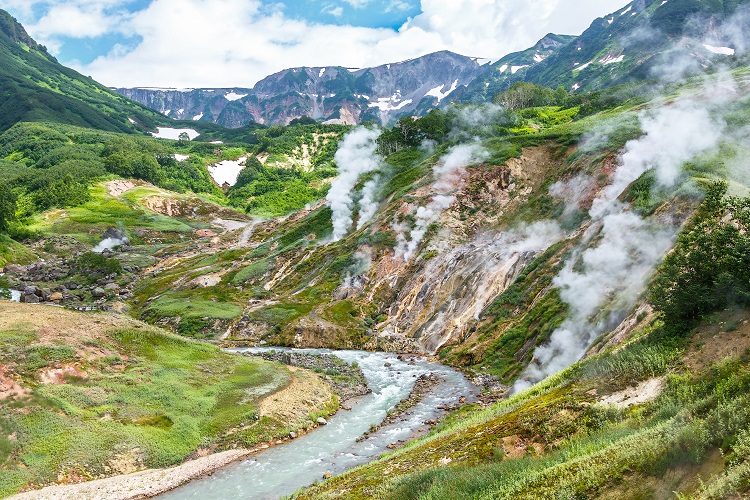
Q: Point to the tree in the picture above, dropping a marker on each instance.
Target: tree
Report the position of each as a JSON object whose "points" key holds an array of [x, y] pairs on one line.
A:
{"points": [[183, 137], [709, 268], [7, 207], [523, 95]]}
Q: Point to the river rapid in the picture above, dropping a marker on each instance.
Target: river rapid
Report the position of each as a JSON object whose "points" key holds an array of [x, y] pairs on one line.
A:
{"points": [[333, 448]]}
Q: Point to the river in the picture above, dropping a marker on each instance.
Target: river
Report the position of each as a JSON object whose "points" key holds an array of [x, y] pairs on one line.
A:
{"points": [[333, 448]]}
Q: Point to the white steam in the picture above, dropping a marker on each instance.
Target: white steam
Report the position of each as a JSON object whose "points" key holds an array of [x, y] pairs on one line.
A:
{"points": [[672, 136], [448, 174], [613, 272], [356, 156], [110, 243], [369, 202], [601, 283]]}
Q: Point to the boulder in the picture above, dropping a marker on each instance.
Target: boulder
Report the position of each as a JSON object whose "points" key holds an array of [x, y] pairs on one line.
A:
{"points": [[322, 421], [98, 292], [30, 299], [14, 269], [56, 296], [112, 287]]}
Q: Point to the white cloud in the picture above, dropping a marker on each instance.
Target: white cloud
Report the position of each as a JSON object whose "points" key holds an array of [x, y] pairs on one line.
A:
{"points": [[75, 21], [215, 43], [357, 4], [333, 10]]}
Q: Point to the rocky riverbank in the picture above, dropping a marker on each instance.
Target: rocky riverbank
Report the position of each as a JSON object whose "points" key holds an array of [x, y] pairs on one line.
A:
{"points": [[346, 380]]}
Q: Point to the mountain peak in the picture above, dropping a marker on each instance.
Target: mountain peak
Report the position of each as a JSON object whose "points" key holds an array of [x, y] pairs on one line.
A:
{"points": [[11, 28]]}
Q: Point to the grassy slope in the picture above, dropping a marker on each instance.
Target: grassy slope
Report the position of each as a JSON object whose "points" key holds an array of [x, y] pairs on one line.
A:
{"points": [[95, 394], [558, 441], [35, 87]]}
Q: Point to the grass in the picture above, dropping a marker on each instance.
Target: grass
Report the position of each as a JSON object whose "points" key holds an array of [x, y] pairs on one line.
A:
{"points": [[147, 392], [589, 449]]}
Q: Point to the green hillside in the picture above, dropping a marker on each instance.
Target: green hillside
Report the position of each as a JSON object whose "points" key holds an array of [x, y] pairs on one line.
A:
{"points": [[34, 87]]}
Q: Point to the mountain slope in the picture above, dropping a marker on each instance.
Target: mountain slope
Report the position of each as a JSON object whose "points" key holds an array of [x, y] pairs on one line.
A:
{"points": [[647, 39], [35, 87], [332, 94]]}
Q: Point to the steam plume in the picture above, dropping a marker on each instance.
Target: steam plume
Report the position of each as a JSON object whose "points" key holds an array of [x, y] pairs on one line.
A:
{"points": [[368, 204], [448, 175], [355, 156], [628, 248]]}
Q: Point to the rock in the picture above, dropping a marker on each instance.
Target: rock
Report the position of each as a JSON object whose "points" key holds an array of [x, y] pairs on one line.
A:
{"points": [[56, 296], [99, 292], [322, 421], [30, 299], [387, 365], [327, 475], [112, 287], [292, 435], [14, 269], [30, 290], [116, 234]]}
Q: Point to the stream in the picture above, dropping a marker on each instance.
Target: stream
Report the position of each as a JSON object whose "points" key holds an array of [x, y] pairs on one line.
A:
{"points": [[281, 470]]}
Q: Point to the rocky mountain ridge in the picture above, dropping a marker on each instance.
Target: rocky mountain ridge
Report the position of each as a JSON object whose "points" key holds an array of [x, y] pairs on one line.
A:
{"points": [[333, 94], [631, 44]]}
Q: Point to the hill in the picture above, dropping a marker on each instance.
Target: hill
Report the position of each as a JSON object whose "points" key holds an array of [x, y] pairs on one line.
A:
{"points": [[34, 87]]}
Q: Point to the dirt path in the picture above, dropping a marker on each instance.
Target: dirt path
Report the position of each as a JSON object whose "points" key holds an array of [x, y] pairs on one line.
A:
{"points": [[144, 484]]}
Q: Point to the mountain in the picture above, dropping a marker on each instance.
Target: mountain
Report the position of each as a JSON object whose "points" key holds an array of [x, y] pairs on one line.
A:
{"points": [[646, 39], [332, 94], [34, 87]]}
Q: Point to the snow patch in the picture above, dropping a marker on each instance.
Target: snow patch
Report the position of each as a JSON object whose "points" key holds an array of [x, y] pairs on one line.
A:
{"points": [[322, 72], [198, 117], [610, 21], [166, 113], [233, 96], [132, 121], [725, 51], [538, 57], [626, 10], [438, 91], [503, 68], [174, 133], [180, 111], [227, 171], [515, 69], [216, 142], [386, 105], [179, 157], [583, 66], [612, 60]]}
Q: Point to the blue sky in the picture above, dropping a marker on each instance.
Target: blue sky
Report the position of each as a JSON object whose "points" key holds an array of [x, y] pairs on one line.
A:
{"points": [[234, 43]]}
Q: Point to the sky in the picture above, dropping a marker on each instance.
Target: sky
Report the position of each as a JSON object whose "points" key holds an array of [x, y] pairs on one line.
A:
{"points": [[235, 43]]}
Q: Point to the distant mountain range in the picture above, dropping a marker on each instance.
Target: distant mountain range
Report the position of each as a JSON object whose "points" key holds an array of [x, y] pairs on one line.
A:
{"points": [[331, 94], [631, 44]]}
